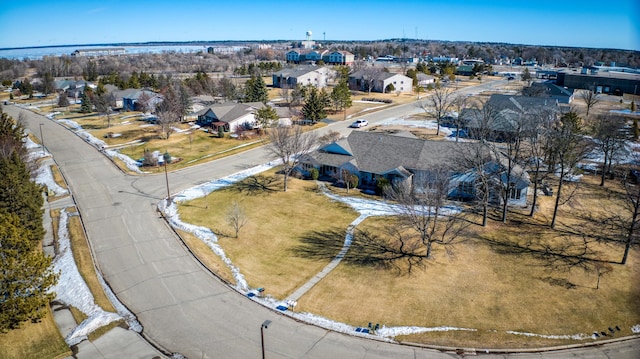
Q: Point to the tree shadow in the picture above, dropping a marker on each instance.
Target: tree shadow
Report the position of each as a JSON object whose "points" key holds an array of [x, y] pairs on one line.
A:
{"points": [[259, 184], [367, 250]]}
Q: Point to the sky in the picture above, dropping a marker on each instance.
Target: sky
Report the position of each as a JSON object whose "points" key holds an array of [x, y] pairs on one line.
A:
{"points": [[573, 23]]}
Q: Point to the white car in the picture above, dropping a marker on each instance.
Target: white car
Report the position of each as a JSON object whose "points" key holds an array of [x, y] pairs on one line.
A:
{"points": [[360, 123]]}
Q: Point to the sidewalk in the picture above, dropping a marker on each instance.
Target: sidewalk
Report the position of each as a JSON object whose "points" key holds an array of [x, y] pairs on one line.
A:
{"points": [[116, 343]]}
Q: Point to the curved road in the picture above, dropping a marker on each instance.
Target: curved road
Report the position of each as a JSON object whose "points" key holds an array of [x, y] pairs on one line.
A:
{"points": [[183, 308]]}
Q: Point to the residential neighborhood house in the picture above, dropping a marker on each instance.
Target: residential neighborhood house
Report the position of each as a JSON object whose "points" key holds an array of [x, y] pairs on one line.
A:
{"points": [[299, 56], [503, 115], [229, 116], [137, 100], [317, 76], [373, 155], [379, 81]]}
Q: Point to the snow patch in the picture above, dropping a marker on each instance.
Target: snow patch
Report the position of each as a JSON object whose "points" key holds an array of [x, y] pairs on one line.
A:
{"points": [[393, 332], [73, 290], [44, 176], [205, 234], [568, 336]]}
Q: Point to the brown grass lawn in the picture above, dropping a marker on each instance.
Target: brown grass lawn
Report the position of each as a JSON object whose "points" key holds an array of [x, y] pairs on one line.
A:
{"points": [[494, 281], [491, 286], [34, 340], [276, 222]]}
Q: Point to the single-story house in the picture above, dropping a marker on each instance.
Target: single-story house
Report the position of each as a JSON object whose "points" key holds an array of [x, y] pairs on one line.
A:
{"points": [[132, 99], [379, 81], [372, 156], [303, 75], [503, 114], [465, 70], [425, 80], [229, 116], [72, 88], [550, 90]]}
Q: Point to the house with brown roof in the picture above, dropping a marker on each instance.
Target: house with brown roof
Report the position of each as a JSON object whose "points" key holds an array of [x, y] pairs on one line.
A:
{"points": [[373, 155]]}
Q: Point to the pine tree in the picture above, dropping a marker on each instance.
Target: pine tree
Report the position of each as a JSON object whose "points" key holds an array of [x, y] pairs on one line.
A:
{"points": [[313, 108], [85, 103], [256, 90], [25, 275], [341, 97], [63, 101], [20, 195]]}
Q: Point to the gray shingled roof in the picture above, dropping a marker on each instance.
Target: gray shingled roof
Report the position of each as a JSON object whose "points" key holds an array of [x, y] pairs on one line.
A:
{"points": [[296, 71], [380, 153], [229, 111]]}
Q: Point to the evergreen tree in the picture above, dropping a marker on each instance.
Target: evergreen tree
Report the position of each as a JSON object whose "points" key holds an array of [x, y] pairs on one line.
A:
{"points": [[21, 196], [85, 103], [341, 97], [314, 105], [267, 116], [134, 81], [25, 274], [63, 101], [526, 75], [48, 85], [256, 90]]}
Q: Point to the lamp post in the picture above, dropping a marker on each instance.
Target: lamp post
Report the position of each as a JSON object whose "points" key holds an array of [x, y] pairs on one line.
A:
{"points": [[167, 157], [42, 138], [264, 326]]}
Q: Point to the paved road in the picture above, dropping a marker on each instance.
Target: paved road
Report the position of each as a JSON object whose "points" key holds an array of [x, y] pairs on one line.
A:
{"points": [[183, 308]]}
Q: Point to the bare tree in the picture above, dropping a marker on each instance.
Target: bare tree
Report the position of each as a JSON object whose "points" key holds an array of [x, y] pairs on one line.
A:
{"points": [[329, 137], [610, 140], [236, 217], [438, 105], [566, 148], [419, 207], [476, 155], [167, 118], [509, 154], [458, 105], [535, 148], [632, 204], [590, 98], [368, 78], [289, 144]]}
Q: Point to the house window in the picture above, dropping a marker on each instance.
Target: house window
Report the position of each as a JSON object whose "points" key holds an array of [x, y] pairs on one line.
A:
{"points": [[514, 193], [466, 188]]}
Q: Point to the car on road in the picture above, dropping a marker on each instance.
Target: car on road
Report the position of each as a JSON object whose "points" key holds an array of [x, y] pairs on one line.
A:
{"points": [[360, 123]]}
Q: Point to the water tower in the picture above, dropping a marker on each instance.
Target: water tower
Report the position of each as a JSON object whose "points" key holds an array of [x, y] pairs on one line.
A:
{"points": [[308, 43]]}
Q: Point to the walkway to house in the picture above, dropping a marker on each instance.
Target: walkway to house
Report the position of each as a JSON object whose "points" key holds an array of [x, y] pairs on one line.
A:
{"points": [[334, 262]]}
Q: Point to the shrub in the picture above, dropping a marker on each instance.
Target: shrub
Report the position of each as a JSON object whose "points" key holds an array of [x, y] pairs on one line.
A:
{"points": [[373, 99], [314, 174], [381, 185]]}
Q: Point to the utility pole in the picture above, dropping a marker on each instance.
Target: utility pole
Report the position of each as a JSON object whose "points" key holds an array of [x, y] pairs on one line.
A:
{"points": [[167, 157], [264, 326], [42, 138]]}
